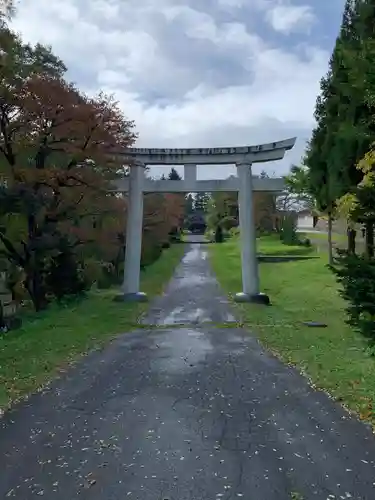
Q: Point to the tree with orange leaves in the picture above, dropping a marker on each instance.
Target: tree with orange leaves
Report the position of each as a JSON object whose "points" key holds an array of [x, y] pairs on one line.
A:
{"points": [[161, 213], [58, 156]]}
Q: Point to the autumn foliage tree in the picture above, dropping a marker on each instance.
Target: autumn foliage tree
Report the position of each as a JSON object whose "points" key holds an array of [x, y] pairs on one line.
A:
{"points": [[58, 159], [59, 147], [162, 213]]}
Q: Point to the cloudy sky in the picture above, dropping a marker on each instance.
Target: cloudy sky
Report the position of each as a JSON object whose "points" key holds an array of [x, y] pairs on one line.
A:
{"points": [[196, 73]]}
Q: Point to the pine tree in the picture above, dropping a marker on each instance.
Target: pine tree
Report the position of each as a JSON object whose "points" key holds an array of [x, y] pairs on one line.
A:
{"points": [[174, 175], [356, 132], [345, 128], [189, 202]]}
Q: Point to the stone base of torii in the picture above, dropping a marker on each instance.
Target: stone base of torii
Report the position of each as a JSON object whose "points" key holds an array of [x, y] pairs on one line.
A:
{"points": [[245, 184]]}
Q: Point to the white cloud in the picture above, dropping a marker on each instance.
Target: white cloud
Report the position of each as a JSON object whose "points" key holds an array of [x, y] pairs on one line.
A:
{"points": [[104, 9], [237, 4], [289, 18], [282, 15], [186, 76]]}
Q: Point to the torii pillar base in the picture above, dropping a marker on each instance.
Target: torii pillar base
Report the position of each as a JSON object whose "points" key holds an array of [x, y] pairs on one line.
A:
{"points": [[131, 297], [259, 298]]}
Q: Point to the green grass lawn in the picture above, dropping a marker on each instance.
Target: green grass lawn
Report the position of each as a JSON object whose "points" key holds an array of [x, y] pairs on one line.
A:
{"points": [[339, 240], [48, 342], [342, 238], [334, 358]]}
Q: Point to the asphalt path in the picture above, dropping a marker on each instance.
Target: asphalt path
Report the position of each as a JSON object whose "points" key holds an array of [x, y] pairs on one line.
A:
{"points": [[189, 407]]}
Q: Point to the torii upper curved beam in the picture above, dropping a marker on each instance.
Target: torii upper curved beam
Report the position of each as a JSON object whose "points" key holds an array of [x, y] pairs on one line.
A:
{"points": [[214, 156]]}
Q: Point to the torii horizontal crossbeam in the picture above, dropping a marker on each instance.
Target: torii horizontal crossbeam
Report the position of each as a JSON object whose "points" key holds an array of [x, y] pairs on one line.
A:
{"points": [[206, 186]]}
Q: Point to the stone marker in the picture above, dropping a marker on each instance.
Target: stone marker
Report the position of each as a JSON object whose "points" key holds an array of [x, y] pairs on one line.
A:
{"points": [[8, 309]]}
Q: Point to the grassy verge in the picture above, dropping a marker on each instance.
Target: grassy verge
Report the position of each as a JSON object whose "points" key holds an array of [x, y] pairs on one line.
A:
{"points": [[320, 240], [50, 341], [336, 237], [334, 358]]}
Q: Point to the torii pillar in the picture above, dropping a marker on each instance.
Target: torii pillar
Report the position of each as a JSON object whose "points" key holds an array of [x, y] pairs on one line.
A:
{"points": [[134, 228], [249, 261]]}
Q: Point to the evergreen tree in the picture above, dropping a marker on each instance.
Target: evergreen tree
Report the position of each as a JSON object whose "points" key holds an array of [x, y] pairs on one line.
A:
{"points": [[189, 203], [344, 110], [174, 175], [319, 181], [350, 131], [356, 130]]}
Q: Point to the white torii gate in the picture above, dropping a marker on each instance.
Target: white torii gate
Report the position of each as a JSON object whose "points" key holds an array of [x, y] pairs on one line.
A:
{"points": [[243, 157]]}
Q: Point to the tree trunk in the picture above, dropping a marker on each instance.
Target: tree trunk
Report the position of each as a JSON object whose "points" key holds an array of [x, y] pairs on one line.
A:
{"points": [[352, 233], [119, 259], [2, 319], [34, 279], [369, 239], [34, 285], [330, 247]]}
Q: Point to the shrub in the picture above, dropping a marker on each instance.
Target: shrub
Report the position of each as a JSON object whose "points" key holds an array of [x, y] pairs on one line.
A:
{"points": [[150, 252], [93, 271], [235, 231], [228, 222], [107, 276], [210, 235], [15, 282], [306, 242], [288, 234], [174, 235], [219, 235], [66, 276], [356, 276]]}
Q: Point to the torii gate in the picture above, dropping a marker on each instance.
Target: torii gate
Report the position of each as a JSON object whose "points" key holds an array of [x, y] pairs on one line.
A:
{"points": [[243, 157]]}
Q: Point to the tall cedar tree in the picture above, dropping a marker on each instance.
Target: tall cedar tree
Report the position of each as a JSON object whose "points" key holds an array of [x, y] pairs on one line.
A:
{"points": [[363, 85], [344, 128]]}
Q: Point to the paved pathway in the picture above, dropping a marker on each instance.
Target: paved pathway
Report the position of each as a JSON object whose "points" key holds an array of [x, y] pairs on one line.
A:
{"points": [[192, 412]]}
